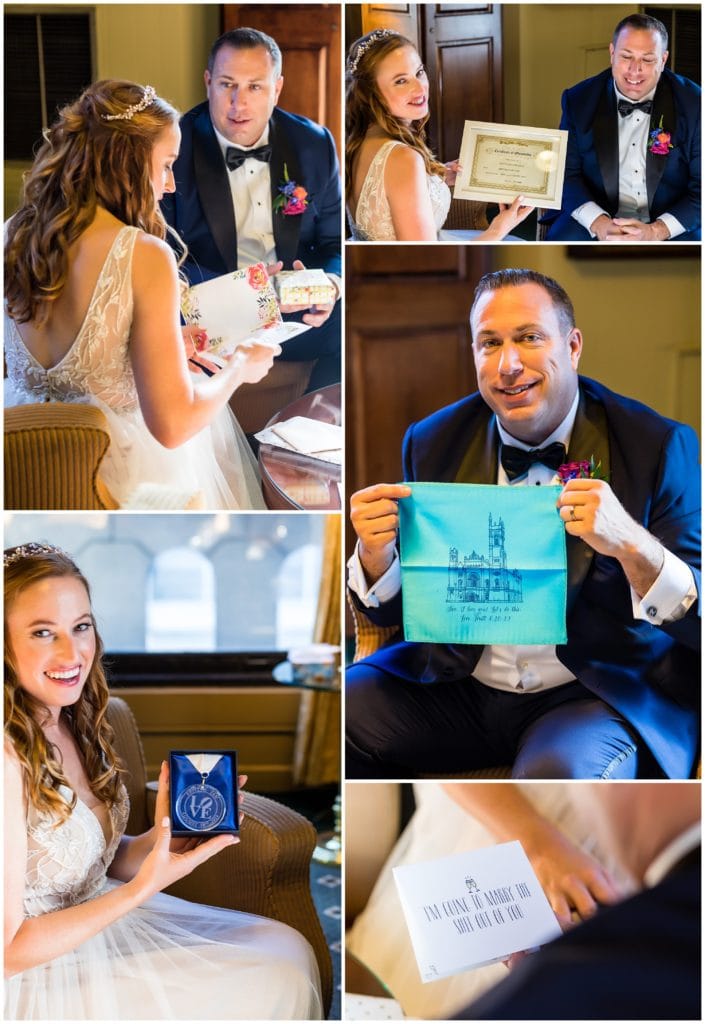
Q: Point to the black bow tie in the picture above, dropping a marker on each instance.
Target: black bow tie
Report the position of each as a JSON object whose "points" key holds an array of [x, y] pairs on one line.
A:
{"points": [[626, 109], [516, 461], [235, 158]]}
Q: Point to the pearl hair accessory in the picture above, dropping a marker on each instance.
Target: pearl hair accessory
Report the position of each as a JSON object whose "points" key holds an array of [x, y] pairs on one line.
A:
{"points": [[374, 37], [148, 96], [30, 551]]}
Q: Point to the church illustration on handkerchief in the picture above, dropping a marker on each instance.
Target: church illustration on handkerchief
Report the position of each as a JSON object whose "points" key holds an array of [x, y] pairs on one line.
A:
{"points": [[484, 580]]}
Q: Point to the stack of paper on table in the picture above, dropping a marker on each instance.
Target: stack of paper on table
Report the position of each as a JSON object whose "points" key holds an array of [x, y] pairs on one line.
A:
{"points": [[473, 908], [238, 307], [306, 436]]}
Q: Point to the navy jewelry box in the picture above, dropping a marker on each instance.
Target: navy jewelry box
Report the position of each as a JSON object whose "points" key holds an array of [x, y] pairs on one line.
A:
{"points": [[203, 796]]}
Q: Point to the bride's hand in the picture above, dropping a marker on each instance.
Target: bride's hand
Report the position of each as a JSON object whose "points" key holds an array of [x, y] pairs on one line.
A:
{"points": [[453, 169], [162, 866], [508, 218], [255, 359]]}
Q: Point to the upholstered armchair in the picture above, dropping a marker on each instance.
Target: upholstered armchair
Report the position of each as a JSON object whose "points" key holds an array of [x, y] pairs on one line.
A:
{"points": [[267, 873], [52, 455]]}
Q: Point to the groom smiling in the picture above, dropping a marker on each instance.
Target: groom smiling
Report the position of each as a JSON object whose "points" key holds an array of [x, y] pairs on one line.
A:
{"points": [[237, 150]]}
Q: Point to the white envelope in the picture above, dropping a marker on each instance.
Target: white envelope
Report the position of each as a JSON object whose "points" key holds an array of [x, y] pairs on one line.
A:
{"points": [[473, 908], [238, 307]]}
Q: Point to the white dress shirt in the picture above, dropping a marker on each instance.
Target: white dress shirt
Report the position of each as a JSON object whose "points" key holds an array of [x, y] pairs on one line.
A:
{"points": [[531, 667], [633, 137], [251, 189]]}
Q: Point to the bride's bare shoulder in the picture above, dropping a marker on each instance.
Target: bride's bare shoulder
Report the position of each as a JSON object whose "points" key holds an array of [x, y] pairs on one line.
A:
{"points": [[406, 166]]}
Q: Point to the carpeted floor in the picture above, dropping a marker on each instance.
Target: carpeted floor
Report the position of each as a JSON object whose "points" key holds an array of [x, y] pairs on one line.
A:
{"points": [[316, 804], [326, 890]]}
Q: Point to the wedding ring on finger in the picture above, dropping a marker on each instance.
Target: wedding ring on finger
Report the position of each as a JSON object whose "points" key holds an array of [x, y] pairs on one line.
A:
{"points": [[573, 518]]}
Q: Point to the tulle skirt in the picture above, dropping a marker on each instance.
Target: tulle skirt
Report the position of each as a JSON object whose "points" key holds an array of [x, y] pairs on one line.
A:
{"points": [[215, 469], [174, 960], [439, 828]]}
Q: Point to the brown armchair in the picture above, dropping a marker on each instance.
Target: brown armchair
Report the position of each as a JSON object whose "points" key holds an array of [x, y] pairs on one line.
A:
{"points": [[52, 455], [267, 873]]}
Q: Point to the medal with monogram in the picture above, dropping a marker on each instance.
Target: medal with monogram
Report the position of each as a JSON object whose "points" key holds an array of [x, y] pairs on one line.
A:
{"points": [[203, 792]]}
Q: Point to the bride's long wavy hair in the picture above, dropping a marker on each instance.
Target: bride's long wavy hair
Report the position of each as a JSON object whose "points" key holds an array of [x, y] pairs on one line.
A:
{"points": [[24, 714], [364, 104], [84, 161]]}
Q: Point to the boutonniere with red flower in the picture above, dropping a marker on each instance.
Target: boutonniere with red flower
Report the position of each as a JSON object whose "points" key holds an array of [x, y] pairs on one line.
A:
{"points": [[660, 140], [585, 469], [292, 199]]}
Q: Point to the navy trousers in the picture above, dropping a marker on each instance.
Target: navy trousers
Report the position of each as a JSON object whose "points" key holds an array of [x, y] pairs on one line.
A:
{"points": [[398, 729]]}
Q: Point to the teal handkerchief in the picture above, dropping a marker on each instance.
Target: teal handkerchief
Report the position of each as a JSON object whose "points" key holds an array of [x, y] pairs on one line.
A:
{"points": [[483, 564]]}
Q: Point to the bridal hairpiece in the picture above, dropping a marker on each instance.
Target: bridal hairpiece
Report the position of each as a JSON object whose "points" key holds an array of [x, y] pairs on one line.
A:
{"points": [[148, 96], [30, 551], [374, 37]]}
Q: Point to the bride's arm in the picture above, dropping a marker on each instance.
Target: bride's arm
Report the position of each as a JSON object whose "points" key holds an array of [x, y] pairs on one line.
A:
{"points": [[174, 407], [571, 878], [406, 188], [36, 940]]}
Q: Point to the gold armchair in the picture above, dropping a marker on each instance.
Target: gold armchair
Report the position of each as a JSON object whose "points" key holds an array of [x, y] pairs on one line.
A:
{"points": [[267, 873], [52, 455]]}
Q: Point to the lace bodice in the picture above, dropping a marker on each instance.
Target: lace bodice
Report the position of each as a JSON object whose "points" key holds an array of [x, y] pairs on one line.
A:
{"points": [[373, 218], [67, 863], [97, 364]]}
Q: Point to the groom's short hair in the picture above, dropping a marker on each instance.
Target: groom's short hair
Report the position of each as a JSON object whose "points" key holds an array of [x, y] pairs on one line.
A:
{"points": [[645, 23], [247, 39], [513, 277]]}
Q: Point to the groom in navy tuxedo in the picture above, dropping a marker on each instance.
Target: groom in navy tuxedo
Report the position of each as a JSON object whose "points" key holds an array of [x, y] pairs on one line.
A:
{"points": [[633, 163], [237, 149], [639, 959], [622, 694]]}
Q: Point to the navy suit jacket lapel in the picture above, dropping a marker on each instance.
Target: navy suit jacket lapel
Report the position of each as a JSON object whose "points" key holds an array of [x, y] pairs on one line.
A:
{"points": [[478, 464], [214, 189], [589, 438], [604, 132], [664, 107], [286, 229]]}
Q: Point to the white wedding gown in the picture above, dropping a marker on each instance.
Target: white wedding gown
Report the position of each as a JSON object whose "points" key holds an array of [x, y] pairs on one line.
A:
{"points": [[216, 466], [439, 828], [372, 221], [167, 960]]}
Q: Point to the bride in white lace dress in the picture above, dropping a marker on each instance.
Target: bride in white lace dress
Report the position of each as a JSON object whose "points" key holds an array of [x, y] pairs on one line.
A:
{"points": [[395, 187], [92, 306], [88, 933]]}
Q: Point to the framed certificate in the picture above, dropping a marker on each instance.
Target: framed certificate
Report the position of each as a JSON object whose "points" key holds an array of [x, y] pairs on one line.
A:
{"points": [[502, 161]]}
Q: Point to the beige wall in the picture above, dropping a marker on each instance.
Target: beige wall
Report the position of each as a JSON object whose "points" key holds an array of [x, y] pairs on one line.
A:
{"points": [[640, 318], [162, 45], [549, 47]]}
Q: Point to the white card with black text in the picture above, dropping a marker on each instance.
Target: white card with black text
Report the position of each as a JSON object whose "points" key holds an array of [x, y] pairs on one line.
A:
{"points": [[473, 908]]}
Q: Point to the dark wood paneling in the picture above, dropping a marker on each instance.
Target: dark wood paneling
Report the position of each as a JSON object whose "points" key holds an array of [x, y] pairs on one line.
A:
{"points": [[463, 53], [408, 346], [402, 18], [309, 36]]}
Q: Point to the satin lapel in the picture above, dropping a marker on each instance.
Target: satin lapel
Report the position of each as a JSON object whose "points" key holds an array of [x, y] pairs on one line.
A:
{"points": [[479, 463], [664, 107], [589, 438], [286, 229], [214, 189], [604, 131]]}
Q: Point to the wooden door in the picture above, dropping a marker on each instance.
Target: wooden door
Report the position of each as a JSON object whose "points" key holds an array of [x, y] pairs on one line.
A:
{"points": [[463, 54], [408, 346], [309, 36], [461, 45], [403, 18]]}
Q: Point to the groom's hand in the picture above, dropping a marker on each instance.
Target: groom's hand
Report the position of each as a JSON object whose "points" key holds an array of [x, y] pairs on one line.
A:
{"points": [[374, 515], [591, 510], [607, 230]]}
